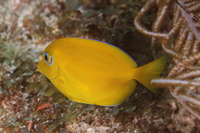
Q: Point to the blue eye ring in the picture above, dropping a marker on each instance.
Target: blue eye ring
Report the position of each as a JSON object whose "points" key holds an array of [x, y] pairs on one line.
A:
{"points": [[47, 59], [51, 60]]}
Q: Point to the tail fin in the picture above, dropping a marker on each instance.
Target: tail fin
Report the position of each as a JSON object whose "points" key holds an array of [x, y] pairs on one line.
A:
{"points": [[146, 73]]}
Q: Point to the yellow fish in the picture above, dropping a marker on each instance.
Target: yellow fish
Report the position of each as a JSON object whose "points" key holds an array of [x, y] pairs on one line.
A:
{"points": [[95, 72]]}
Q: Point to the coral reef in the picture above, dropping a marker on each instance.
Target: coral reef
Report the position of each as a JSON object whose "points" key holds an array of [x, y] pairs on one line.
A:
{"points": [[30, 103], [181, 42]]}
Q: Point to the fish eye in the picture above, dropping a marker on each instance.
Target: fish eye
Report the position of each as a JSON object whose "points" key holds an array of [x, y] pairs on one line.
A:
{"points": [[48, 59]]}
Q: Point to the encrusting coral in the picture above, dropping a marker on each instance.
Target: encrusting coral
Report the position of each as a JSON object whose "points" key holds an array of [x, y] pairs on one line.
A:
{"points": [[182, 43]]}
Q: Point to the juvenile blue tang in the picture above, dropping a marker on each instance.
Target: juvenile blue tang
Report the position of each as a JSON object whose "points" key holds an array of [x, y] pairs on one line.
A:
{"points": [[95, 72]]}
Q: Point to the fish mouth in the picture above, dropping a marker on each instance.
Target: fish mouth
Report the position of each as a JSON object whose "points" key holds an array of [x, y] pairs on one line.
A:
{"points": [[49, 73]]}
